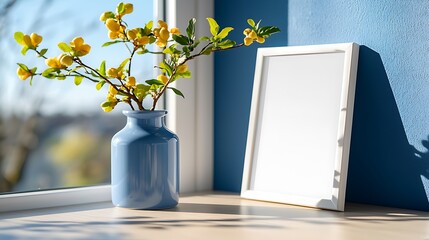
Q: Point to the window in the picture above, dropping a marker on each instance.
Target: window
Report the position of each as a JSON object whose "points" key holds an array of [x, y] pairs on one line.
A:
{"points": [[190, 118], [54, 134]]}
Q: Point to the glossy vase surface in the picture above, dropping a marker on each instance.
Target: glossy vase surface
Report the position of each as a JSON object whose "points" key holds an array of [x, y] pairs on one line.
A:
{"points": [[145, 163]]}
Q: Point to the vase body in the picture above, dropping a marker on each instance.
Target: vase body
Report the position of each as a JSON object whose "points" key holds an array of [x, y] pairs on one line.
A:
{"points": [[145, 163]]}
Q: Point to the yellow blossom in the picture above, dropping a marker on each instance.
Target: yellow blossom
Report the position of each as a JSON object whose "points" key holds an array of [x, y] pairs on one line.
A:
{"points": [[143, 40], [112, 25], [162, 24], [156, 32], [182, 68], [162, 37], [79, 47], [112, 90], [54, 62], [260, 39], [252, 34], [113, 35], [162, 78], [106, 15], [27, 41], [35, 39], [132, 34], [65, 60], [121, 35], [111, 97], [246, 31], [112, 72], [23, 74], [131, 82], [110, 104], [248, 41], [164, 34], [174, 31]]}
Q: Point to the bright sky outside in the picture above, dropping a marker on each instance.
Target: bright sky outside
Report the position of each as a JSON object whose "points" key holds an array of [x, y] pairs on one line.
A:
{"points": [[61, 21]]}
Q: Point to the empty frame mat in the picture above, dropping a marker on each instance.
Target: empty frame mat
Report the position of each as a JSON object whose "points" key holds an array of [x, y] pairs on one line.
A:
{"points": [[300, 125]]}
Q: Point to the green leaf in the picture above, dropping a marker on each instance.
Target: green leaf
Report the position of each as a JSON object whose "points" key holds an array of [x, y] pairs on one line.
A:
{"points": [[171, 50], [64, 47], [61, 77], [74, 69], [180, 39], [226, 44], [195, 45], [23, 66], [186, 74], [19, 36], [106, 104], [100, 84], [142, 87], [110, 43], [49, 70], [43, 52], [166, 68], [78, 80], [224, 32], [251, 22], [103, 68], [123, 63], [190, 30], [177, 92], [147, 29], [257, 25], [214, 27], [141, 90], [149, 25], [24, 50], [95, 75], [49, 73], [267, 31], [154, 82], [204, 38], [120, 8], [152, 39], [31, 80], [187, 51], [143, 51], [208, 50]]}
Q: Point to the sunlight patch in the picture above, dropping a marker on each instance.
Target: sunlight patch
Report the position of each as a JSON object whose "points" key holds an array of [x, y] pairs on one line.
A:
{"points": [[425, 182]]}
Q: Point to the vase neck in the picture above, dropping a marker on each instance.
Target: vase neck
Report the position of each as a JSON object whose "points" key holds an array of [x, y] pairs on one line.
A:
{"points": [[145, 119]]}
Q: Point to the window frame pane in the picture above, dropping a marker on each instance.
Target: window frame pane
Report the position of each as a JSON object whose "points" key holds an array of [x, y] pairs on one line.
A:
{"points": [[200, 137]]}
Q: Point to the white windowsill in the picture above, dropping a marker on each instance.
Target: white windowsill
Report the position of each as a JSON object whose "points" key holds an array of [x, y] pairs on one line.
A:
{"points": [[54, 198], [215, 216]]}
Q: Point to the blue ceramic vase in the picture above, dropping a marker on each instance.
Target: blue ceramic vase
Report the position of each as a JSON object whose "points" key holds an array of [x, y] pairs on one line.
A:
{"points": [[145, 163]]}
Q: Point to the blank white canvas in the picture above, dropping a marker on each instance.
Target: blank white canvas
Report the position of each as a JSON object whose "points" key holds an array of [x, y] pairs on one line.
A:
{"points": [[300, 124], [299, 137]]}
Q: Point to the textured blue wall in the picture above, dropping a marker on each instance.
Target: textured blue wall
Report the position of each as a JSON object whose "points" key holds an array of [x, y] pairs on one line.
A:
{"points": [[389, 161]]}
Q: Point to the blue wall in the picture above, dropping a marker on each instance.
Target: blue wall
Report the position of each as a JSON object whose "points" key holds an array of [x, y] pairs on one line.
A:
{"points": [[389, 161]]}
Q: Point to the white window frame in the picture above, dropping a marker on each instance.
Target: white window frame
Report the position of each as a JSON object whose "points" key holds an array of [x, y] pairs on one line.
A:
{"points": [[191, 119]]}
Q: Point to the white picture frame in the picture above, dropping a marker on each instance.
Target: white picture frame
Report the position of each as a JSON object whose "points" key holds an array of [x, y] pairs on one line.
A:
{"points": [[300, 125]]}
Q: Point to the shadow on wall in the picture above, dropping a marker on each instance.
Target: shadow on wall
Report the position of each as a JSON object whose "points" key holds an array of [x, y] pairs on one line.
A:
{"points": [[384, 169]]}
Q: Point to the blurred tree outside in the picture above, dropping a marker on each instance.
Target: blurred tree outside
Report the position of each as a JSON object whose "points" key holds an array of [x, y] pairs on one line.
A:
{"points": [[54, 134]]}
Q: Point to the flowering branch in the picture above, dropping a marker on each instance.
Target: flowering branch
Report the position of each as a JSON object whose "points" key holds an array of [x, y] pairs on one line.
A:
{"points": [[179, 49]]}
